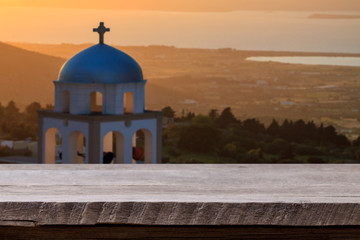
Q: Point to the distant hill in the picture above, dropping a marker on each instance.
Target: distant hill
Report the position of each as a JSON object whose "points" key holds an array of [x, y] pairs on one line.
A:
{"points": [[27, 76], [65, 51], [334, 16]]}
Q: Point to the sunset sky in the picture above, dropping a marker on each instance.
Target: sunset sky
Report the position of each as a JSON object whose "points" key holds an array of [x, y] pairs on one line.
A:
{"points": [[193, 5], [241, 24]]}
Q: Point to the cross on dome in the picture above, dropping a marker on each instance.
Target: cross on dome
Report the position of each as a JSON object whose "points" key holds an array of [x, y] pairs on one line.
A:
{"points": [[101, 30]]}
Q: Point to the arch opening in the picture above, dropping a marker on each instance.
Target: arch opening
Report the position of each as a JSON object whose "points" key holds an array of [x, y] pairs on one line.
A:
{"points": [[96, 102], [65, 101], [128, 102], [113, 148], [77, 148], [53, 146], [142, 147]]}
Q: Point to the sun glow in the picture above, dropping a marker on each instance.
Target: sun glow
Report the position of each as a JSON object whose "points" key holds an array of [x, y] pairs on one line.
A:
{"points": [[184, 23]]}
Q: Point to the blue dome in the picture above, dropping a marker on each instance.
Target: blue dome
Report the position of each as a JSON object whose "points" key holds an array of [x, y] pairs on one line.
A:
{"points": [[101, 64]]}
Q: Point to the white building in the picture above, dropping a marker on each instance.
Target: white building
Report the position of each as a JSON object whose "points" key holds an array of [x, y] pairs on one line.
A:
{"points": [[99, 108]]}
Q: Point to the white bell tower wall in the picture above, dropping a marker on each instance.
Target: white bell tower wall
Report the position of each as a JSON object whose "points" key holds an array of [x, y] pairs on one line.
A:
{"points": [[70, 132], [75, 98], [86, 138], [152, 133]]}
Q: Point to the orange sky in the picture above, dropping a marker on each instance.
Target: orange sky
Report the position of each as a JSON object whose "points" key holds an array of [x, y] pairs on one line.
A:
{"points": [[193, 5], [185, 23]]}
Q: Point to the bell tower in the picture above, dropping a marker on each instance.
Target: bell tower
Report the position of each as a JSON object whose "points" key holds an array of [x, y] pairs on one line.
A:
{"points": [[100, 114]]}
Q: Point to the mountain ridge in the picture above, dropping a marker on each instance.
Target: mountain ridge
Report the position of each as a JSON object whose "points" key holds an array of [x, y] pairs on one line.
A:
{"points": [[22, 70]]}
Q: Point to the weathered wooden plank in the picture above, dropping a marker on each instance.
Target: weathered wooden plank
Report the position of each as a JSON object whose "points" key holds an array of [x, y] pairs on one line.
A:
{"points": [[181, 183], [180, 214], [180, 195], [180, 232]]}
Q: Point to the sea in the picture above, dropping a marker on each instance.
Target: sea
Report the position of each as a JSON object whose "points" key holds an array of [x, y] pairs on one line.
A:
{"points": [[312, 60]]}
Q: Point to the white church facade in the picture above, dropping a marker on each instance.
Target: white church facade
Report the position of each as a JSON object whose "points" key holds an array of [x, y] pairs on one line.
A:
{"points": [[100, 109]]}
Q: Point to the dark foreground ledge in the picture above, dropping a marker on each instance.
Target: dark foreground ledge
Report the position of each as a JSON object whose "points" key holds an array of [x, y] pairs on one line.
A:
{"points": [[180, 201]]}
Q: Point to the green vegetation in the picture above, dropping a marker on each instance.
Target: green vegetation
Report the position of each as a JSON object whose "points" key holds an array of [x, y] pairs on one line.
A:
{"points": [[222, 138], [16, 125], [218, 138]]}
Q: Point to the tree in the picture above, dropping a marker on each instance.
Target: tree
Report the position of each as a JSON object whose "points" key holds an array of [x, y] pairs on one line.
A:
{"points": [[213, 114], [5, 127], [190, 116], [5, 151], [201, 120], [226, 118], [278, 146], [311, 131], [31, 112], [305, 149], [2, 111], [329, 134], [168, 112], [298, 131], [11, 112], [274, 128], [21, 132], [357, 155], [229, 150], [356, 143], [285, 129], [199, 139], [254, 126], [342, 140]]}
